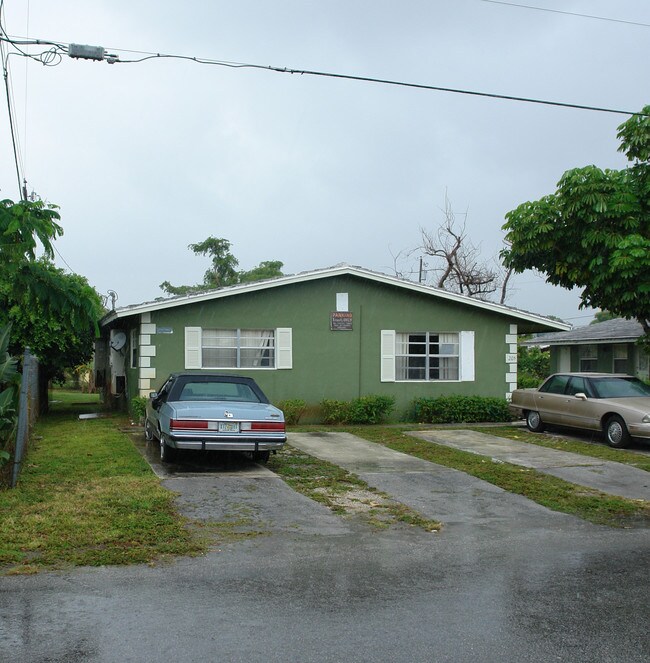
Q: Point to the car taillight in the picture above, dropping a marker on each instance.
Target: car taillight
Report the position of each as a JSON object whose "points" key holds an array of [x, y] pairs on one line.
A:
{"points": [[188, 424], [268, 425]]}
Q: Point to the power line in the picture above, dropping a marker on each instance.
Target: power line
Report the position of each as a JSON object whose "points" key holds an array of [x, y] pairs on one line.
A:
{"points": [[62, 258], [559, 11], [382, 81], [10, 112], [52, 57]]}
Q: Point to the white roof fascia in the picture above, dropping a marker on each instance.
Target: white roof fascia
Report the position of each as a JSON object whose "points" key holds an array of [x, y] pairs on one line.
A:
{"points": [[587, 341], [339, 270]]}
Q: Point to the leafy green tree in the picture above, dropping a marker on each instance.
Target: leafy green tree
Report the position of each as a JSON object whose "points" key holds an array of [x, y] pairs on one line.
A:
{"points": [[9, 380], [594, 231], [53, 312], [60, 342], [533, 366], [267, 269], [602, 316], [223, 271]]}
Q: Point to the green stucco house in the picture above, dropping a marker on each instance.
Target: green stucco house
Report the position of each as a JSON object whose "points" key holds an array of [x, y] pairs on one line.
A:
{"points": [[340, 333]]}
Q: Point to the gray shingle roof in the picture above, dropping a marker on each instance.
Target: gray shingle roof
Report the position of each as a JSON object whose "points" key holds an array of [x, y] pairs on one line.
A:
{"points": [[618, 329]]}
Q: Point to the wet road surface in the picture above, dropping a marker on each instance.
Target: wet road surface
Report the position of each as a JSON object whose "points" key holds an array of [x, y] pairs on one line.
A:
{"points": [[506, 580]]}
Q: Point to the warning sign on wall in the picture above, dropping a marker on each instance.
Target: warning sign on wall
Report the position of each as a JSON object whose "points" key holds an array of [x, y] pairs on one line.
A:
{"points": [[341, 321]]}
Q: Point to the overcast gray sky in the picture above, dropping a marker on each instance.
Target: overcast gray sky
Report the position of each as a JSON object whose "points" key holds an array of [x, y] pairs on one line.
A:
{"points": [[146, 158]]}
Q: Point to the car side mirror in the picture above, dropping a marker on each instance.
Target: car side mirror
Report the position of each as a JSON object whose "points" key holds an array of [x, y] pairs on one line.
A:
{"points": [[580, 396], [154, 397]]}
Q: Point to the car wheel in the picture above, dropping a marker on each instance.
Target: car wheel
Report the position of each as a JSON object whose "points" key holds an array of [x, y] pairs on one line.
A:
{"points": [[534, 422], [261, 457], [148, 431], [617, 433], [167, 453]]}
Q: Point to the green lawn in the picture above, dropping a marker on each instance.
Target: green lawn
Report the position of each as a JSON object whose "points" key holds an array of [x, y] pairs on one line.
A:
{"points": [[86, 497]]}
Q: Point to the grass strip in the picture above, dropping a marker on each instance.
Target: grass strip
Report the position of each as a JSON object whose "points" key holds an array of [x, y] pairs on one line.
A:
{"points": [[551, 441], [343, 492], [86, 497], [549, 491]]}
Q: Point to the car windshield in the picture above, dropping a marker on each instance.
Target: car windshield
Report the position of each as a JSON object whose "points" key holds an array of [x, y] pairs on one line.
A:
{"points": [[218, 391], [620, 388]]}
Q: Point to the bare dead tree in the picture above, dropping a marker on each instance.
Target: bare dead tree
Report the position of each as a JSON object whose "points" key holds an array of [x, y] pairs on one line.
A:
{"points": [[504, 285], [454, 263], [457, 264]]}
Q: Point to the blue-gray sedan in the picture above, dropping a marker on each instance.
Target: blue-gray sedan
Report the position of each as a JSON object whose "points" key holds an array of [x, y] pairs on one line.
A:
{"points": [[213, 412]]}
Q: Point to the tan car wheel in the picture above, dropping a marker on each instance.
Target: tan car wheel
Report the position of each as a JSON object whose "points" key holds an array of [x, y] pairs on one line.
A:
{"points": [[534, 422], [617, 433]]}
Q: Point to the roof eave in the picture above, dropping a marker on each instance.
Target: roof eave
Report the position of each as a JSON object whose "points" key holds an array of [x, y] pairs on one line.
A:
{"points": [[340, 270]]}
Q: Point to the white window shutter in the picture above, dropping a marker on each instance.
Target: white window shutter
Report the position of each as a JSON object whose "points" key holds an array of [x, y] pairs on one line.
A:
{"points": [[387, 355], [467, 356], [283, 348], [193, 347]]}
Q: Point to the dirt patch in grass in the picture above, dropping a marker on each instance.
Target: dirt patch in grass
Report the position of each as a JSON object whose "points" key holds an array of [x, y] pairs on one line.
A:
{"points": [[343, 492]]}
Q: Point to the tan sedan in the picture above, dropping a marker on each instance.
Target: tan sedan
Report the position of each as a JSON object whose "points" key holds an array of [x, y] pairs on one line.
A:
{"points": [[618, 405]]}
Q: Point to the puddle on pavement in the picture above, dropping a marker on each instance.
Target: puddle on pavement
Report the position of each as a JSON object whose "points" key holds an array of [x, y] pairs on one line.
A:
{"points": [[194, 462]]}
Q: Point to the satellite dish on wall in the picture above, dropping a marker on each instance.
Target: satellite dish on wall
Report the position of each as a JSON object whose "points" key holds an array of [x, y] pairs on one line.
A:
{"points": [[118, 341]]}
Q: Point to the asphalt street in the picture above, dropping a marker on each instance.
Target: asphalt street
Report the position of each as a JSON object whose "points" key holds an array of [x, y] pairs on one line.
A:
{"points": [[505, 580]]}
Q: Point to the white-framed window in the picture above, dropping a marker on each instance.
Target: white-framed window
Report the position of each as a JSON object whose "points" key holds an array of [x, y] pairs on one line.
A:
{"points": [[619, 355], [427, 356], [238, 348], [588, 358]]}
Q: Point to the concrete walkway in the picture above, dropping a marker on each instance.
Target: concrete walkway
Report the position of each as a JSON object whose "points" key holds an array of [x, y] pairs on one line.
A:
{"points": [[466, 505], [607, 476]]}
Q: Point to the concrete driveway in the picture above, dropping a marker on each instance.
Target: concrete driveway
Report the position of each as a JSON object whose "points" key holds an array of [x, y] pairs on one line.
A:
{"points": [[506, 581], [607, 476], [466, 505]]}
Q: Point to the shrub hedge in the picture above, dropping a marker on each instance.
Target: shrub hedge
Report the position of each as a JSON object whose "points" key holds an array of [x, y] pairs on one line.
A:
{"points": [[372, 409], [460, 409], [293, 409], [138, 407]]}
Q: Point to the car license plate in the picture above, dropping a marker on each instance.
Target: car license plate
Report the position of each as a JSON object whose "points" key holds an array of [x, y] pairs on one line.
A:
{"points": [[228, 427]]}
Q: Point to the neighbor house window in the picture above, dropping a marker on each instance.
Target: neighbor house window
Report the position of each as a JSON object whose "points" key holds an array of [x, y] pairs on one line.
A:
{"points": [[620, 358], [238, 348], [588, 358], [426, 356]]}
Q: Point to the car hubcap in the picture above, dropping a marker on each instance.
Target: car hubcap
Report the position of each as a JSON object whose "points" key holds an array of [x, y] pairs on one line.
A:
{"points": [[533, 419], [615, 432]]}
